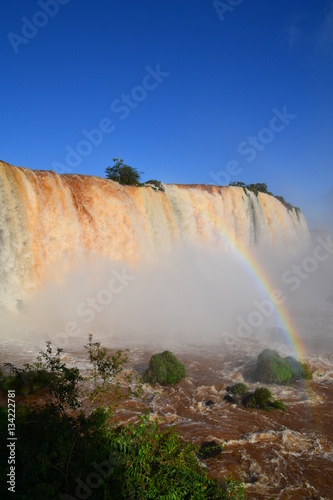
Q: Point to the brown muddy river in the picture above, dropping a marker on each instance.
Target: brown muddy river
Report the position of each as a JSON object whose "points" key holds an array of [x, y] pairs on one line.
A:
{"points": [[277, 454]]}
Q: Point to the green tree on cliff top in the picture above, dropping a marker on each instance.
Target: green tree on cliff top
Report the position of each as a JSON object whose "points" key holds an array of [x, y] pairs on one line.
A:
{"points": [[122, 173]]}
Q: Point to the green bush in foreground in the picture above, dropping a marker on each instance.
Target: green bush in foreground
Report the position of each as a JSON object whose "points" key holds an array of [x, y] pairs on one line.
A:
{"points": [[65, 457], [158, 464], [164, 368], [65, 454], [26, 382]]}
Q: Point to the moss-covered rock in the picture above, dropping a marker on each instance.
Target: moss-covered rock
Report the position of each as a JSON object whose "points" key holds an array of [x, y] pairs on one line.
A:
{"points": [[210, 449], [262, 398], [238, 388], [272, 369], [153, 183], [164, 368], [235, 393], [230, 399], [301, 370]]}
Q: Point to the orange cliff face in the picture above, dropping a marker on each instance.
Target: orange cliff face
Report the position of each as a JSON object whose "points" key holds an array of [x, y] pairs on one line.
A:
{"points": [[47, 219]]}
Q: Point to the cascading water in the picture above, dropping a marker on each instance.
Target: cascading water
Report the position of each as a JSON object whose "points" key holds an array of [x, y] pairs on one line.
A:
{"points": [[185, 298], [48, 219]]}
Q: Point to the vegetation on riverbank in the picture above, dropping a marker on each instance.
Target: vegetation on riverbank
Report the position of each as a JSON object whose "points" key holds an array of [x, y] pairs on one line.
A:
{"points": [[70, 448]]}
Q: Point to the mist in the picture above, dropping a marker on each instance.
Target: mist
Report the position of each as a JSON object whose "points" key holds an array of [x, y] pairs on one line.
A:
{"points": [[189, 266], [186, 297]]}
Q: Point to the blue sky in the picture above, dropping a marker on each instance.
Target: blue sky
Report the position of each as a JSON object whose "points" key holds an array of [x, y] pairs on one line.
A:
{"points": [[186, 92]]}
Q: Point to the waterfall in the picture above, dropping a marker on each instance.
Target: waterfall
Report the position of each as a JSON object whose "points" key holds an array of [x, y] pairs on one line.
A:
{"points": [[48, 219]]}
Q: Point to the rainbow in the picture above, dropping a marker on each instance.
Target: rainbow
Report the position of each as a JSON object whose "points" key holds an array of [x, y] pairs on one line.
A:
{"points": [[262, 280], [260, 277], [47, 220]]}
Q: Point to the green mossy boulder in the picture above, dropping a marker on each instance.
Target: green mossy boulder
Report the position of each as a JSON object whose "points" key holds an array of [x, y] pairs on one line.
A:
{"points": [[165, 369], [238, 388], [262, 398], [301, 370], [272, 369], [210, 449], [235, 393]]}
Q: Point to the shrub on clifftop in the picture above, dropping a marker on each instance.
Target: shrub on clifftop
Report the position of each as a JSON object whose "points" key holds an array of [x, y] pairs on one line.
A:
{"points": [[122, 173], [164, 368]]}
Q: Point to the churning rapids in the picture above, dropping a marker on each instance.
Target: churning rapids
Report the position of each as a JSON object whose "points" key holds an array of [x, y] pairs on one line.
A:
{"points": [[193, 270], [284, 455]]}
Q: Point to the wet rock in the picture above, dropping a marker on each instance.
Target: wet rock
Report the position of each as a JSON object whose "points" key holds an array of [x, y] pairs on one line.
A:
{"points": [[235, 392], [262, 398], [272, 369], [164, 368], [210, 449], [230, 399], [253, 478], [238, 388]]}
